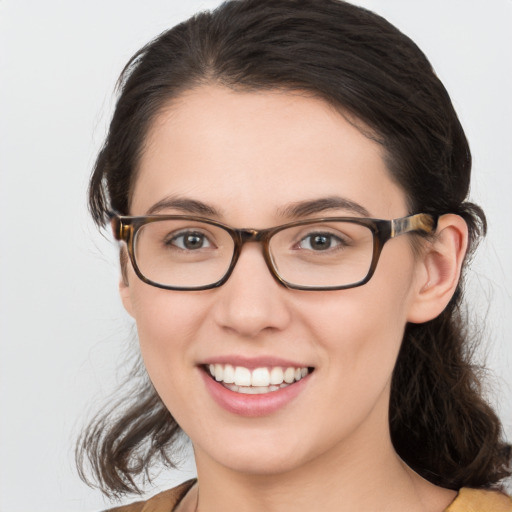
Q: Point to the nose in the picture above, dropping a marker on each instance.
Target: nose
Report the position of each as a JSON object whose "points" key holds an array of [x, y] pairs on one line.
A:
{"points": [[252, 301]]}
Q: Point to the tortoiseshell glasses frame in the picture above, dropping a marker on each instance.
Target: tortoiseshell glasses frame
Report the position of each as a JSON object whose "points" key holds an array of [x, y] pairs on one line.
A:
{"points": [[125, 229]]}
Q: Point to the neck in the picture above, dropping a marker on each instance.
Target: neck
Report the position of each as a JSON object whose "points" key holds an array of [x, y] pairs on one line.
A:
{"points": [[363, 474]]}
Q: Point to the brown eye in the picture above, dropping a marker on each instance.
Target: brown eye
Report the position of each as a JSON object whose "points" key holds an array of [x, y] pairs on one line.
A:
{"points": [[320, 242], [190, 241]]}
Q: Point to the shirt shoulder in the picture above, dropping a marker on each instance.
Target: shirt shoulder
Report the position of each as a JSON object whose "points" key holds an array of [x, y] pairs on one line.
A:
{"points": [[162, 502], [480, 500]]}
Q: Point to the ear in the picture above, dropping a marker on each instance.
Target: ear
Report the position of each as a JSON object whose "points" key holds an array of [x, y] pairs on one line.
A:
{"points": [[124, 286], [439, 268], [124, 292]]}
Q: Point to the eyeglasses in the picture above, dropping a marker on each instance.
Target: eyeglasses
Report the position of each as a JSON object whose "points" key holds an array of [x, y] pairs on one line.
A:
{"points": [[181, 252]]}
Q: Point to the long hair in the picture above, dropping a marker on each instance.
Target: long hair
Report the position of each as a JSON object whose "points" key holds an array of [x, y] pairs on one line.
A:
{"points": [[440, 424]]}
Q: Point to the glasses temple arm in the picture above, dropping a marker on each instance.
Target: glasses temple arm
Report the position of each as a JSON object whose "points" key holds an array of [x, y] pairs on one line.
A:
{"points": [[422, 222]]}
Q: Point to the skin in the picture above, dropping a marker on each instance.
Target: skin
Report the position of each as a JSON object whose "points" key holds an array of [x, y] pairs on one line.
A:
{"points": [[249, 156]]}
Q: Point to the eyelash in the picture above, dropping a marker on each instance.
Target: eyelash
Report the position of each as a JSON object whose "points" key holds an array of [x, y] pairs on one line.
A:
{"points": [[170, 241], [339, 242]]}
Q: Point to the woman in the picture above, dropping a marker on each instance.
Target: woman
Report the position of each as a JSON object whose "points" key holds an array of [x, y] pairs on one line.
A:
{"points": [[289, 180]]}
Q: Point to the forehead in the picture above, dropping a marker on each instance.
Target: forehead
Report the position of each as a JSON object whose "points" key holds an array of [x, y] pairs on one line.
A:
{"points": [[255, 152]]}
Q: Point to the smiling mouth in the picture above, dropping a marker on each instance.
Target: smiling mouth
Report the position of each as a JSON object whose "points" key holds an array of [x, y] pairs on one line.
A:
{"points": [[257, 381]]}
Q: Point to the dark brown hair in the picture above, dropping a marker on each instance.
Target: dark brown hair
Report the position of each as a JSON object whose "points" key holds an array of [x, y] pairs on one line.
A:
{"points": [[359, 63]]}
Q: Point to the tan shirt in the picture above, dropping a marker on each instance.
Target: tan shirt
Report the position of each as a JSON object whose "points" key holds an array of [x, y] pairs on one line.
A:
{"points": [[467, 500]]}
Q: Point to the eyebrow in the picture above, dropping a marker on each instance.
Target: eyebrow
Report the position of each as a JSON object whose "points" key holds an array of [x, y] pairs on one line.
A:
{"points": [[306, 208], [294, 210], [184, 205]]}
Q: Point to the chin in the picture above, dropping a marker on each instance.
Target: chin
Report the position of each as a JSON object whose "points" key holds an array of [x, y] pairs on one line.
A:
{"points": [[262, 454], [262, 464]]}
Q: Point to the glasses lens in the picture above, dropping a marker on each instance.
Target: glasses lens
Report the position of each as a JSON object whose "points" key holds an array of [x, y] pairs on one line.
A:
{"points": [[323, 254], [183, 253]]}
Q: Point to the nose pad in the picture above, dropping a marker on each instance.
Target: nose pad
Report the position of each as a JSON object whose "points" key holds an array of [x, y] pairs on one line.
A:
{"points": [[251, 301]]}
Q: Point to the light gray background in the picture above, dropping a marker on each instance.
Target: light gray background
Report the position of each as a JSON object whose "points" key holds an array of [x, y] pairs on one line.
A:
{"points": [[63, 333]]}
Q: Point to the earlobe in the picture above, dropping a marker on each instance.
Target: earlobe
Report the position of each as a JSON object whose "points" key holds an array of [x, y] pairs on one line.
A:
{"points": [[440, 268], [124, 292], [124, 287]]}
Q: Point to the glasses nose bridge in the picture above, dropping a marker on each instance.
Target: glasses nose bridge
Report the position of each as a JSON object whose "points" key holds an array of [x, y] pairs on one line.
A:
{"points": [[250, 235]]}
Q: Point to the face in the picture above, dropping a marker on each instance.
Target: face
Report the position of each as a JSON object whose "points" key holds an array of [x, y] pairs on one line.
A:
{"points": [[244, 159]]}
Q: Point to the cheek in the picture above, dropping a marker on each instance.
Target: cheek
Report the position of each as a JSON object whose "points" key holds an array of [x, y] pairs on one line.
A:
{"points": [[361, 333], [361, 329], [167, 324]]}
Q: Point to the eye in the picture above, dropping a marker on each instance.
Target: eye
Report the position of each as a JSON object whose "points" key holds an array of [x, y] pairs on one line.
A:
{"points": [[189, 240], [320, 242]]}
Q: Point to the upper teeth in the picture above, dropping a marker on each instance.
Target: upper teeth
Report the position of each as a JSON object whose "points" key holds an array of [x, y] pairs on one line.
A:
{"points": [[260, 377]]}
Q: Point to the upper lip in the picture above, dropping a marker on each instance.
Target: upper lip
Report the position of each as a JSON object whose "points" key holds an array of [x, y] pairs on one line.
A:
{"points": [[255, 362]]}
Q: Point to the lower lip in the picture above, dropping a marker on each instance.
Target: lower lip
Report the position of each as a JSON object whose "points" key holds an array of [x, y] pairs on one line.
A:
{"points": [[253, 405]]}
